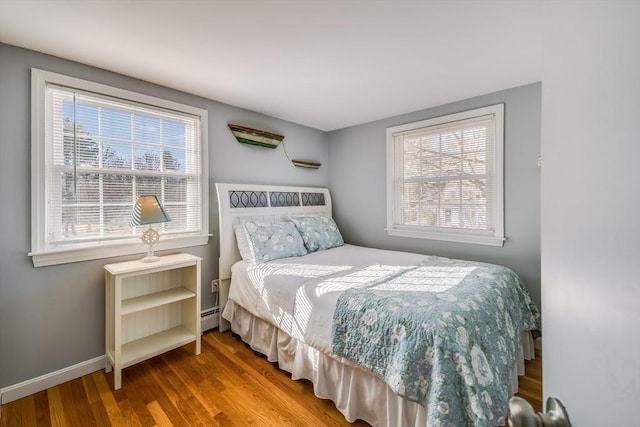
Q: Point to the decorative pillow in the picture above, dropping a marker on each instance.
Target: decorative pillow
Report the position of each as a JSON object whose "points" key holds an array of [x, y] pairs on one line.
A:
{"points": [[243, 243], [318, 232], [273, 241]]}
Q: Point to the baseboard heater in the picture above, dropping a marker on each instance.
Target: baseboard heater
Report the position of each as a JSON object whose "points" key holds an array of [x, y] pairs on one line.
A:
{"points": [[210, 318]]}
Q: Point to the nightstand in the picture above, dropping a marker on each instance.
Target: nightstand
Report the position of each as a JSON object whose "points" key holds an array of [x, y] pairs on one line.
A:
{"points": [[150, 308]]}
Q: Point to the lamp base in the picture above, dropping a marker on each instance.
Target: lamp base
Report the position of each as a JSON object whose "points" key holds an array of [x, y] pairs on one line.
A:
{"points": [[150, 237]]}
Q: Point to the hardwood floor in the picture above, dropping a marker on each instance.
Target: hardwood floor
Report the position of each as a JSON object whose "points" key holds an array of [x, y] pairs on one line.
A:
{"points": [[530, 385], [227, 385]]}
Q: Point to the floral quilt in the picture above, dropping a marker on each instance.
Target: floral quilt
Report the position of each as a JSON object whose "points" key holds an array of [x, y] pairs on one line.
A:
{"points": [[444, 333]]}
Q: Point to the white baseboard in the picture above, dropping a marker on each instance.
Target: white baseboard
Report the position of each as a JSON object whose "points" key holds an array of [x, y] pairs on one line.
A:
{"points": [[52, 379], [17, 391]]}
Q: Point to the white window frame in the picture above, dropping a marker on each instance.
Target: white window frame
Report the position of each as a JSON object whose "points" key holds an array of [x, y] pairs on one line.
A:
{"points": [[482, 237], [42, 253]]}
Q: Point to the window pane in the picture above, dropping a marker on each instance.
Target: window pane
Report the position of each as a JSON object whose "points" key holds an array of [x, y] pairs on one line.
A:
{"points": [[474, 192], [117, 220], [175, 190], [148, 185], [451, 165], [173, 133], [117, 188], [450, 193], [451, 142], [431, 156], [178, 215], [68, 187], [146, 129], [431, 192], [80, 188], [411, 203], [474, 163], [87, 151], [475, 139], [86, 117], [148, 158], [81, 221], [115, 125], [116, 154], [412, 161], [475, 217], [69, 222], [449, 216], [429, 201], [173, 159], [80, 146], [88, 188]]}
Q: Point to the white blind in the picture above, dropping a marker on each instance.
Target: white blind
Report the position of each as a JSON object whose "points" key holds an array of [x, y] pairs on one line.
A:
{"points": [[102, 153], [444, 175]]}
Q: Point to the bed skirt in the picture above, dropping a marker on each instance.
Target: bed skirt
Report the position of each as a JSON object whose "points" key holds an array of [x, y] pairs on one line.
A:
{"points": [[357, 393]]}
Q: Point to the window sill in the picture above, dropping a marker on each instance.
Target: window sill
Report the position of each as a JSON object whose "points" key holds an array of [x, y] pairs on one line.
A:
{"points": [[68, 255], [448, 237]]}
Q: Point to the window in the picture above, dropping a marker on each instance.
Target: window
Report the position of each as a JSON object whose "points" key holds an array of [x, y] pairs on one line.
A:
{"points": [[445, 178], [95, 149]]}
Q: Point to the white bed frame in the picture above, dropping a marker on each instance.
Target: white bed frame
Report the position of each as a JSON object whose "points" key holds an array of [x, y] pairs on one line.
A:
{"points": [[237, 202]]}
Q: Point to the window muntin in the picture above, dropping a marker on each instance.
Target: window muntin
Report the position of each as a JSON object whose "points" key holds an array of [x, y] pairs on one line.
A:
{"points": [[100, 148], [445, 178]]}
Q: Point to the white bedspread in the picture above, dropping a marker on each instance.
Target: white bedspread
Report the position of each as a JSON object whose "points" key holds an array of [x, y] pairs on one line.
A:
{"points": [[265, 290]]}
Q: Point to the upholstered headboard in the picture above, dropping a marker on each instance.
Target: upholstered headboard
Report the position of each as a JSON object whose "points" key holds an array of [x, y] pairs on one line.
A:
{"points": [[266, 203]]}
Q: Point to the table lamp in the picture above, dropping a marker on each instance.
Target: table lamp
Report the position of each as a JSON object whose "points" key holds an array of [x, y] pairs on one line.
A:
{"points": [[148, 210]]}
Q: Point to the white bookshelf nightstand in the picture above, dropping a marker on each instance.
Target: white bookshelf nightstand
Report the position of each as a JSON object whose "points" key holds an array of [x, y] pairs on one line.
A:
{"points": [[150, 308]]}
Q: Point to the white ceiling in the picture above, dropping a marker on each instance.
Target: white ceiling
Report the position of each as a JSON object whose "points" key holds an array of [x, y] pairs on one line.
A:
{"points": [[325, 64]]}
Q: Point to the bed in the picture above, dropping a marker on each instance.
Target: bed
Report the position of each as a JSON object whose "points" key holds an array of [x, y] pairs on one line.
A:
{"points": [[392, 338]]}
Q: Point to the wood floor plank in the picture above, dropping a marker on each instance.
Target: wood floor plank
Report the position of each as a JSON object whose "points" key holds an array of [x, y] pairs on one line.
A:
{"points": [[188, 370], [153, 389], [193, 413], [56, 407], [158, 414], [70, 393], [90, 389], [98, 411], [228, 384], [135, 400], [107, 397], [23, 413], [43, 416]]}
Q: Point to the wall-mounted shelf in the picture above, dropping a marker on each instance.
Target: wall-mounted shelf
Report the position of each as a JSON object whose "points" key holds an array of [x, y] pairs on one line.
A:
{"points": [[306, 164], [257, 137]]}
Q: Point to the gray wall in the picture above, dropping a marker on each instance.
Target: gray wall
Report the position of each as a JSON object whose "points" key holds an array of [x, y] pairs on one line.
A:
{"points": [[357, 159], [53, 317]]}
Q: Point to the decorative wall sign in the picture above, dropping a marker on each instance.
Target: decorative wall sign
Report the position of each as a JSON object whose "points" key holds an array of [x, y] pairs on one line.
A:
{"points": [[257, 137]]}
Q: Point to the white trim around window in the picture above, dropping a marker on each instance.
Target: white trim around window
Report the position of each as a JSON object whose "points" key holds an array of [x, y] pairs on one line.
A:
{"points": [[445, 178], [47, 248]]}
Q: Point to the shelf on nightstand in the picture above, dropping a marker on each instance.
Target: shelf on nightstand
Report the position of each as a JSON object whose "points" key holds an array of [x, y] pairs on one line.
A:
{"points": [[144, 302], [153, 345]]}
